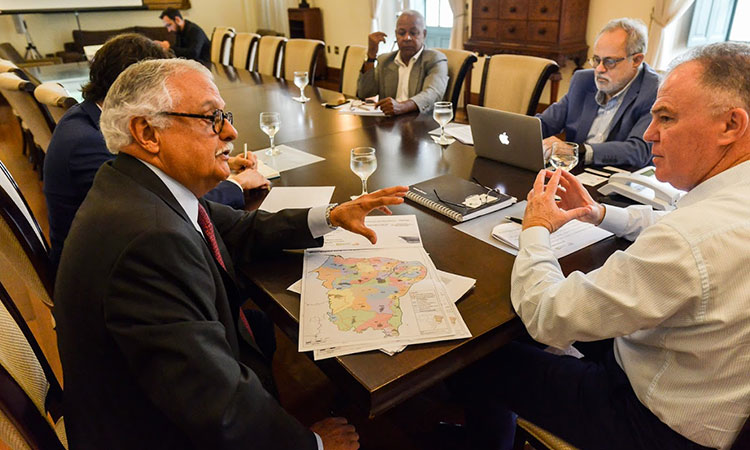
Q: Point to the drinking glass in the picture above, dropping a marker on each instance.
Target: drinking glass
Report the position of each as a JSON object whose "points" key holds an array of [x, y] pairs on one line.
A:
{"points": [[564, 155], [443, 113], [363, 163], [270, 123], [301, 80]]}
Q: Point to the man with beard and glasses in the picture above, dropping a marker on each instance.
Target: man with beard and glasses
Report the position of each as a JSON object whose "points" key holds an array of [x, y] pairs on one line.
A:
{"points": [[606, 109]]}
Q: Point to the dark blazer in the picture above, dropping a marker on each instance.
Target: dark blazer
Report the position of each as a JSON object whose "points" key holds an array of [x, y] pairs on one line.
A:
{"points": [[75, 153], [192, 43], [146, 321], [576, 111]]}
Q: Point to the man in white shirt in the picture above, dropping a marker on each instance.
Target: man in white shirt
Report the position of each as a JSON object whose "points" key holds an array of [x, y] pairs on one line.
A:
{"points": [[676, 301], [411, 79]]}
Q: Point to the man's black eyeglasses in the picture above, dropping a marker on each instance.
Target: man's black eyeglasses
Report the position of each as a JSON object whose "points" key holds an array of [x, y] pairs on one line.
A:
{"points": [[608, 63], [217, 118]]}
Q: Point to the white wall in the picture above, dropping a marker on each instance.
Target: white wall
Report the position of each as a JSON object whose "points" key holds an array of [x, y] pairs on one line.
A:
{"points": [[345, 22]]}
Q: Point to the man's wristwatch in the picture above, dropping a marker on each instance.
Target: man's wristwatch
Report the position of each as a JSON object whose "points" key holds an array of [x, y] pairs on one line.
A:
{"points": [[371, 60], [328, 214]]}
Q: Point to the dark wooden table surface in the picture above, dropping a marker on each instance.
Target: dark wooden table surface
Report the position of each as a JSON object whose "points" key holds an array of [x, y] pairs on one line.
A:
{"points": [[406, 155]]}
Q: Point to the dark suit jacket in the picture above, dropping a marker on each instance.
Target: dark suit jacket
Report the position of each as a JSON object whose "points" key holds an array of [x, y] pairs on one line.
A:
{"points": [[146, 321], [575, 113], [75, 153], [192, 43]]}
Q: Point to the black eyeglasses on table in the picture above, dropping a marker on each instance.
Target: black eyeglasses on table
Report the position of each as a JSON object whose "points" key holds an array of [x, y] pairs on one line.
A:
{"points": [[461, 205], [216, 118]]}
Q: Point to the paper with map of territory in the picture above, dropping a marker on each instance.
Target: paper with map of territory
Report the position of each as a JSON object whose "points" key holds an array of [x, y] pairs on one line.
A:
{"points": [[382, 295]]}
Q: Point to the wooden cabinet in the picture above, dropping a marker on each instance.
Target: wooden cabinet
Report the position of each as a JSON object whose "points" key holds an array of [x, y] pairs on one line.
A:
{"points": [[554, 29], [164, 4], [307, 23]]}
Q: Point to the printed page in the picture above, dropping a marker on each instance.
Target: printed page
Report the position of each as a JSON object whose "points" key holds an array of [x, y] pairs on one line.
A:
{"points": [[392, 231], [281, 197]]}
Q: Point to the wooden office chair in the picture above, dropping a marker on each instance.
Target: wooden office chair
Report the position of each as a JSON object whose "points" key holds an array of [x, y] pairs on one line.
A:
{"points": [[30, 395], [245, 49], [354, 56], [460, 64], [221, 44], [56, 98], [269, 53], [19, 93], [514, 83], [301, 55]]}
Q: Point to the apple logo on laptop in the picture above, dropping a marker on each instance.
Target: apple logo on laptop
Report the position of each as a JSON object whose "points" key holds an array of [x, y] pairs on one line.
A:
{"points": [[504, 138]]}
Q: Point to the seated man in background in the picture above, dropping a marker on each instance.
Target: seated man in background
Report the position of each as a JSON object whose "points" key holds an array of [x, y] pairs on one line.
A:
{"points": [[411, 79], [77, 148], [607, 108], [192, 42], [146, 301], [664, 323]]}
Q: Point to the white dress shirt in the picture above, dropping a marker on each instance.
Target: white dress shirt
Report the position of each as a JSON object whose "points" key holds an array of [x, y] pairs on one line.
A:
{"points": [[404, 72], [677, 302], [602, 124]]}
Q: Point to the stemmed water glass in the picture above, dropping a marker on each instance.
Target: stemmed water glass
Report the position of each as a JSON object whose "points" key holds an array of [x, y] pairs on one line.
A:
{"points": [[564, 155], [270, 123], [443, 113], [301, 80], [363, 163]]}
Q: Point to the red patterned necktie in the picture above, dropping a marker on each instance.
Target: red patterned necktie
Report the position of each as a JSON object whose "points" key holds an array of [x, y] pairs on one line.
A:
{"points": [[208, 232]]}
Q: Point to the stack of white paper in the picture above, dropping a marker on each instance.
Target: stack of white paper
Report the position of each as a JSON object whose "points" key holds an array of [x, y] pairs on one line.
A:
{"points": [[358, 297], [570, 238]]}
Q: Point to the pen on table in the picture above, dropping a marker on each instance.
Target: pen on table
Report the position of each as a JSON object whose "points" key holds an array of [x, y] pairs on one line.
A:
{"points": [[514, 219], [245, 150]]}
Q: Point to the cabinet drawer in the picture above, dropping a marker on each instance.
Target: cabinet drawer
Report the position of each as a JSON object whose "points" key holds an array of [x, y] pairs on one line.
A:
{"points": [[484, 30], [513, 30], [485, 9], [542, 31], [544, 9], [513, 9]]}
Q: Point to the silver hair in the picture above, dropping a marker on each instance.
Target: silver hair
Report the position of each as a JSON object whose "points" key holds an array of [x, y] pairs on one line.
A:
{"points": [[142, 90], [414, 13], [636, 29], [725, 68]]}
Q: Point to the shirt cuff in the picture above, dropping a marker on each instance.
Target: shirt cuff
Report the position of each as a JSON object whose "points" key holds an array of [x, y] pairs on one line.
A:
{"points": [[589, 155], [615, 220], [534, 235], [316, 221], [319, 440], [235, 183]]}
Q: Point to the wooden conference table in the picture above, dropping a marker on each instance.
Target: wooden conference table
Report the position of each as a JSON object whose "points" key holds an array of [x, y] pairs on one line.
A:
{"points": [[406, 155]]}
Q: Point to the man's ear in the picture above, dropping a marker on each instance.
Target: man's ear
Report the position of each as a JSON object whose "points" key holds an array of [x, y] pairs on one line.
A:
{"points": [[638, 59], [144, 134], [734, 127]]}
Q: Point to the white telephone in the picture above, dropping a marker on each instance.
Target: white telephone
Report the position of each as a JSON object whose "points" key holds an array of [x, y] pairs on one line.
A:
{"points": [[643, 187]]}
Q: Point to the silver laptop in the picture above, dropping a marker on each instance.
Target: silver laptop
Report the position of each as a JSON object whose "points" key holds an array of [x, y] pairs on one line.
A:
{"points": [[510, 138]]}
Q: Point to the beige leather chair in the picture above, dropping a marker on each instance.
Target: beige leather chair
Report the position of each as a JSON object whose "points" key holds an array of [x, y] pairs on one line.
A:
{"points": [[460, 63], [268, 58], [30, 394], [7, 66], [56, 98], [514, 83], [301, 55], [245, 49], [354, 56], [19, 93], [221, 44]]}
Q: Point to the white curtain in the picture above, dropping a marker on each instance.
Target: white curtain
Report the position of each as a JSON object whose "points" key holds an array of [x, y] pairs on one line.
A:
{"points": [[374, 14], [663, 32], [459, 23], [405, 4], [272, 14]]}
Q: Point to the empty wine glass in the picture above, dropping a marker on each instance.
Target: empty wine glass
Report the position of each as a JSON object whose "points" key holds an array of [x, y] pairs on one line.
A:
{"points": [[443, 113], [270, 123], [363, 162], [564, 155], [301, 80]]}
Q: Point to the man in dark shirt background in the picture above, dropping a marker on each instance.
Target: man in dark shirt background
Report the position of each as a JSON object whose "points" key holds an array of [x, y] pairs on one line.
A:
{"points": [[191, 43]]}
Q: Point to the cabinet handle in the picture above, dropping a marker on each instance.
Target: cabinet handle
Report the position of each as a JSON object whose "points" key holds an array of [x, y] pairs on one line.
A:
{"points": [[543, 10], [485, 9], [484, 27], [542, 31], [512, 9], [512, 29]]}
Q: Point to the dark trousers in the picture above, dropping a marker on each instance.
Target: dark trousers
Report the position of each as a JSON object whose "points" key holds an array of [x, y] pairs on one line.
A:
{"points": [[588, 402]]}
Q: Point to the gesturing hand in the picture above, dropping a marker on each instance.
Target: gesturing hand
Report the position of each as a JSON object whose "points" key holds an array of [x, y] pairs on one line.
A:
{"points": [[542, 210], [574, 195], [351, 215], [336, 434], [373, 41]]}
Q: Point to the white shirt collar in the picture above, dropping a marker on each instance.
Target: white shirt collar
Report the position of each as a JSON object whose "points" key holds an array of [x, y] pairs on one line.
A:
{"points": [[411, 61], [184, 197]]}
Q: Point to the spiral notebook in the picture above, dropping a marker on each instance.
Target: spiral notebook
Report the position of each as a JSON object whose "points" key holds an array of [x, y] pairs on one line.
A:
{"points": [[457, 198]]}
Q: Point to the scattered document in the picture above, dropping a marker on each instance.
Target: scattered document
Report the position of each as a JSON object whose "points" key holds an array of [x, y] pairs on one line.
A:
{"points": [[570, 238], [457, 130], [289, 158], [266, 170], [589, 179], [281, 197], [392, 231], [360, 109]]}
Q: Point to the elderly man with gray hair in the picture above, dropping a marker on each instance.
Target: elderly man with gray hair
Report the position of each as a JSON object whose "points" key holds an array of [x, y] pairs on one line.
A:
{"points": [[606, 109], [147, 299], [410, 79], [663, 325]]}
